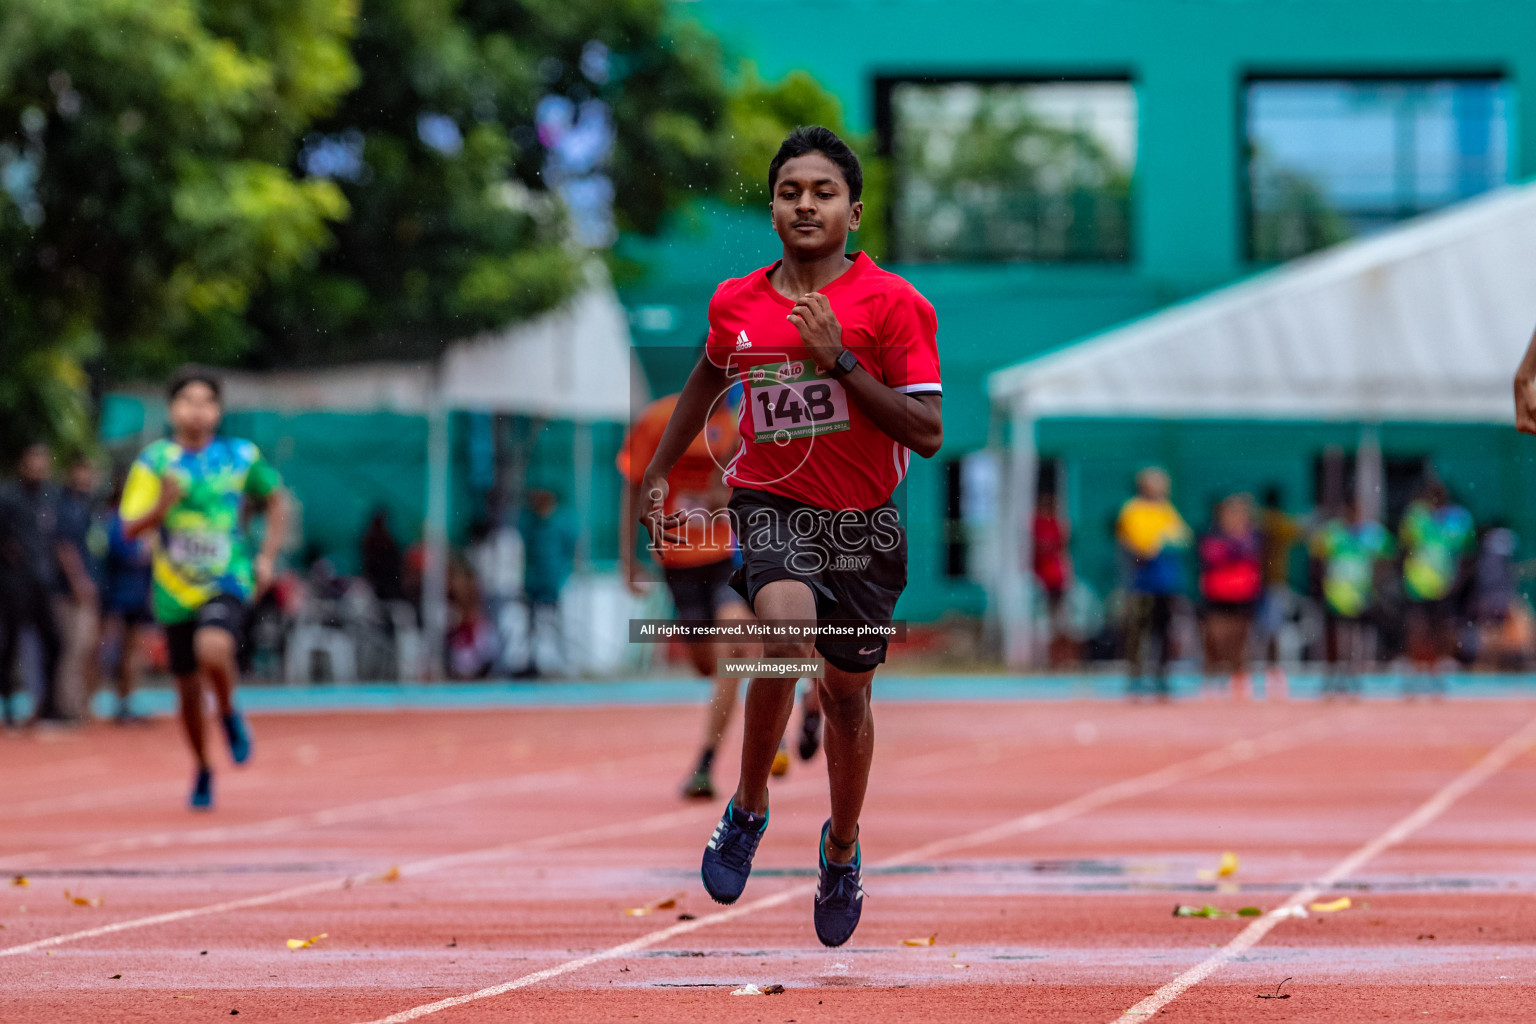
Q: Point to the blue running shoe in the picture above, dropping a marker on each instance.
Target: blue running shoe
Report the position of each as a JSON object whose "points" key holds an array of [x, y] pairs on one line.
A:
{"points": [[728, 855], [839, 895], [202, 791], [239, 738]]}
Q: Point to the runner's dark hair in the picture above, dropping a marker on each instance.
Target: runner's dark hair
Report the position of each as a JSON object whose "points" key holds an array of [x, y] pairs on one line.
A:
{"points": [[191, 374], [813, 138]]}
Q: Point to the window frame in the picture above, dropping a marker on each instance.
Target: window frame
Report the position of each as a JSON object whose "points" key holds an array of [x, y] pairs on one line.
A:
{"points": [[884, 89], [1252, 76]]}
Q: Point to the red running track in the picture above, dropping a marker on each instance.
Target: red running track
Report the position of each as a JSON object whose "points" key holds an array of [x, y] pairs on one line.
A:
{"points": [[1043, 844]]}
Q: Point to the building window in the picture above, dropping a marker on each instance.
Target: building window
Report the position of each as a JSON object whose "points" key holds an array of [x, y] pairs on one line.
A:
{"points": [[1332, 159], [1009, 170]]}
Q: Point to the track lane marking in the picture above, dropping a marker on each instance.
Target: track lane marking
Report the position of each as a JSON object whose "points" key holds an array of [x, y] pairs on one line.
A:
{"points": [[1491, 763], [934, 761], [1229, 755], [364, 810]]}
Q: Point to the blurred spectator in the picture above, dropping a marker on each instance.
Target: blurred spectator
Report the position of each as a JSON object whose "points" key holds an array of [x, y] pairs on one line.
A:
{"points": [[549, 551], [1349, 551], [1279, 532], [472, 643], [79, 602], [125, 601], [1231, 580], [1050, 535], [383, 566], [1494, 635], [496, 556], [1436, 536], [29, 573], [1151, 533]]}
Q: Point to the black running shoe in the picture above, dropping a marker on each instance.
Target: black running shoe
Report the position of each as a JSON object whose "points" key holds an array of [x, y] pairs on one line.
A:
{"points": [[810, 734], [728, 855], [839, 895]]}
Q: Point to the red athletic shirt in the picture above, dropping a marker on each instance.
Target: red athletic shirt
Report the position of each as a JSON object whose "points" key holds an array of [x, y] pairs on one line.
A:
{"points": [[802, 436]]}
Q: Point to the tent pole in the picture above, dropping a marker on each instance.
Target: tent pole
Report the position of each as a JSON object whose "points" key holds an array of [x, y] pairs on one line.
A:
{"points": [[434, 583], [581, 491], [1369, 473], [1016, 555]]}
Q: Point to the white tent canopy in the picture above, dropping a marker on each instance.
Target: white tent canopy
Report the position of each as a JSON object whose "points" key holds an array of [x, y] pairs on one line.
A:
{"points": [[1423, 322], [573, 363]]}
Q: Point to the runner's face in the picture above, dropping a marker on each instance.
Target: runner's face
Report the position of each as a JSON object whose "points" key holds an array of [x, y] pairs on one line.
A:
{"points": [[812, 210], [195, 411]]}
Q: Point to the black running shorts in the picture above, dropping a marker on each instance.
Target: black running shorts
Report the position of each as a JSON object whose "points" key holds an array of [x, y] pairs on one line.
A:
{"points": [[854, 561], [225, 612]]}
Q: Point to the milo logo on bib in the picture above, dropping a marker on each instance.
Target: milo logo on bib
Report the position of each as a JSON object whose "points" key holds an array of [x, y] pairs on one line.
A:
{"points": [[792, 400]]}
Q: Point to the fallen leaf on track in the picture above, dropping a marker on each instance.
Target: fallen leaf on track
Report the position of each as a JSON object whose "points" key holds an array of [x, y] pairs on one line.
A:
{"points": [[83, 901], [670, 903], [305, 943], [392, 875], [686, 917], [1249, 911], [21, 881], [1225, 868], [930, 940], [115, 977], [1333, 906], [773, 990], [1183, 910]]}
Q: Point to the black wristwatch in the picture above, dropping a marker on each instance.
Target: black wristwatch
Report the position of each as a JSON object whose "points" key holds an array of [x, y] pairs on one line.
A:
{"points": [[846, 363]]}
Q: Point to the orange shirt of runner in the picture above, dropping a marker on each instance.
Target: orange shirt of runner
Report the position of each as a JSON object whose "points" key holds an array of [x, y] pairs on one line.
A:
{"points": [[694, 482]]}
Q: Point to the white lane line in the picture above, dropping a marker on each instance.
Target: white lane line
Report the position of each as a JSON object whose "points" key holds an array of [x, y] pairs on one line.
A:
{"points": [[1427, 812], [1227, 756], [366, 810], [936, 761]]}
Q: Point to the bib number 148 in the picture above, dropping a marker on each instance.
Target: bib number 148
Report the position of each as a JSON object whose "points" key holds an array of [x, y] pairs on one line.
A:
{"points": [[785, 409]]}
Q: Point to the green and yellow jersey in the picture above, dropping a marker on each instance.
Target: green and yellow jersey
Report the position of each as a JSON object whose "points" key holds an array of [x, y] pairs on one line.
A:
{"points": [[200, 550]]}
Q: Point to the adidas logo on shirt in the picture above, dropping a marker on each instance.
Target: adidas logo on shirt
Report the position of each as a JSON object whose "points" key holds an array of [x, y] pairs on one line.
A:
{"points": [[742, 342]]}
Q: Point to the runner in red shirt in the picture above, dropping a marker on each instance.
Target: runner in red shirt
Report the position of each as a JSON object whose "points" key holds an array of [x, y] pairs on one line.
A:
{"points": [[840, 366]]}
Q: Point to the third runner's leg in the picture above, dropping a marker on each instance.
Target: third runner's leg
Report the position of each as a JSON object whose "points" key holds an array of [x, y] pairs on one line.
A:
{"points": [[189, 686], [215, 647]]}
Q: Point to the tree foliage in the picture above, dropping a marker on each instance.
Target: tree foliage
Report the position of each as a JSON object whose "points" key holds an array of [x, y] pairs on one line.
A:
{"points": [[145, 191], [279, 182]]}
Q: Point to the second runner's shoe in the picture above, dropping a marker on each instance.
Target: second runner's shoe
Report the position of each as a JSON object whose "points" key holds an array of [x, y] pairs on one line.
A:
{"points": [[728, 855], [839, 894]]}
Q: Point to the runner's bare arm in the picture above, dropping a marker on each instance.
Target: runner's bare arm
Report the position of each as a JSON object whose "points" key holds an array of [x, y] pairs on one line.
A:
{"points": [[705, 384], [1525, 391], [170, 494], [916, 421]]}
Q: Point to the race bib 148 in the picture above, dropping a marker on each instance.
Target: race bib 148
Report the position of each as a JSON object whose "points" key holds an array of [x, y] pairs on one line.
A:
{"points": [[792, 400]]}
